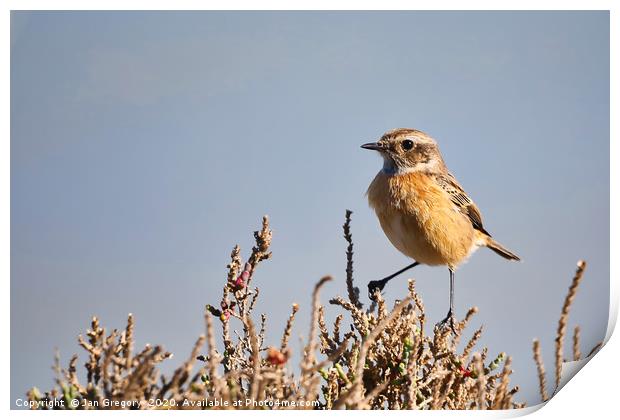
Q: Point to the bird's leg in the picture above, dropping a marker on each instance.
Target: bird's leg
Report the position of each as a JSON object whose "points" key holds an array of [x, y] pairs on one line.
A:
{"points": [[449, 320], [375, 285]]}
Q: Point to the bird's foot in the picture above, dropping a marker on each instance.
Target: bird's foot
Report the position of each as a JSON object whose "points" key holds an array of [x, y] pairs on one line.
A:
{"points": [[448, 322], [376, 286]]}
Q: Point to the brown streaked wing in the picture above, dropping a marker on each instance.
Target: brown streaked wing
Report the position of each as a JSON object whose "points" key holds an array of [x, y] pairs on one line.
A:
{"points": [[459, 197]]}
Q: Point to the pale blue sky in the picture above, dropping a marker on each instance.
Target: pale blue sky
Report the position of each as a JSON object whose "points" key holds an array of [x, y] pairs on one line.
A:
{"points": [[145, 145]]}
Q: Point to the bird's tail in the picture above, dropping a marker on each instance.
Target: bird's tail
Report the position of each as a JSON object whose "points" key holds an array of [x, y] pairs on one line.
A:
{"points": [[500, 250]]}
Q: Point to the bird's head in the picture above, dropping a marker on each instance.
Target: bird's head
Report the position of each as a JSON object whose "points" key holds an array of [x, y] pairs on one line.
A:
{"points": [[407, 150]]}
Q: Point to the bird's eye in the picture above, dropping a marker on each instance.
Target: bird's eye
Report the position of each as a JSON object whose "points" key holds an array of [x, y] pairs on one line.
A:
{"points": [[407, 144]]}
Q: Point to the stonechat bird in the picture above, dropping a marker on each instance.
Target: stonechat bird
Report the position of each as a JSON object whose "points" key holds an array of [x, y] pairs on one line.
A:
{"points": [[423, 210]]}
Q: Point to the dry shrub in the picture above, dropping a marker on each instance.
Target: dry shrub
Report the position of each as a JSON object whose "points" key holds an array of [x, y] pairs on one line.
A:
{"points": [[385, 358], [560, 337]]}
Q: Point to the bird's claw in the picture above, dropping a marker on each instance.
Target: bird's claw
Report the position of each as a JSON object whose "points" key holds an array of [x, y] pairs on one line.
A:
{"points": [[374, 286], [448, 322]]}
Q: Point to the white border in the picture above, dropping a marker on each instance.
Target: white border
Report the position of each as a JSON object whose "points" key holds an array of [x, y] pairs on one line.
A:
{"points": [[593, 394]]}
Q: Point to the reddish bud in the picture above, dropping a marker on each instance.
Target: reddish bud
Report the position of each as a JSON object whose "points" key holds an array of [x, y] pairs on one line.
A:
{"points": [[225, 315], [242, 280], [465, 372], [276, 357]]}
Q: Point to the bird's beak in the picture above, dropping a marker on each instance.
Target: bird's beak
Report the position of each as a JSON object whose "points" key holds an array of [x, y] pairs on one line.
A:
{"points": [[372, 146]]}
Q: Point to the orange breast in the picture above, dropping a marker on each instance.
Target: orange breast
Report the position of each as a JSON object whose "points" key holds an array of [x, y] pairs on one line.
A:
{"points": [[420, 220]]}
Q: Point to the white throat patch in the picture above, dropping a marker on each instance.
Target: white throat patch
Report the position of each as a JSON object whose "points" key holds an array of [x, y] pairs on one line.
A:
{"points": [[390, 167]]}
